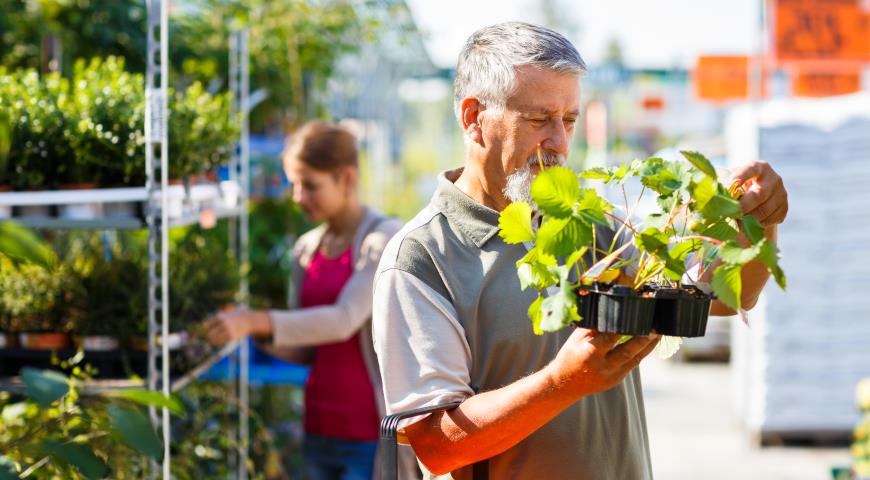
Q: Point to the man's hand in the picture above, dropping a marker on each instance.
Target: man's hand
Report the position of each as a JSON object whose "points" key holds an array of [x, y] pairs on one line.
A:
{"points": [[589, 362], [765, 197], [227, 326]]}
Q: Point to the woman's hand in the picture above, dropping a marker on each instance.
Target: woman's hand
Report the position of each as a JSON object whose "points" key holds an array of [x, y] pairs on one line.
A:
{"points": [[237, 323]]}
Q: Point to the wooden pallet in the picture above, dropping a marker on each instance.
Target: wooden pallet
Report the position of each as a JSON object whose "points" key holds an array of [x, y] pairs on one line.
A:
{"points": [[802, 438]]}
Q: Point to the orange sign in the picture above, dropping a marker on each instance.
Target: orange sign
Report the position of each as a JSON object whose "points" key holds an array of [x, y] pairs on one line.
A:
{"points": [[821, 30], [810, 82], [721, 78]]}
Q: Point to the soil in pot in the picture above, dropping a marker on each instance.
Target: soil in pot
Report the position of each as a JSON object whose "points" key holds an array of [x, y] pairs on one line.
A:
{"points": [[623, 310], [680, 312]]}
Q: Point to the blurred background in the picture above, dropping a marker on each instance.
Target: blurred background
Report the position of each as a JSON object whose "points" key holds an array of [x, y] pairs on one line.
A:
{"points": [[787, 81]]}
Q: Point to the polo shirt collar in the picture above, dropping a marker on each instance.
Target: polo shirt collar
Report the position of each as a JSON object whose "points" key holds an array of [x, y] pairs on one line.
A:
{"points": [[477, 221]]}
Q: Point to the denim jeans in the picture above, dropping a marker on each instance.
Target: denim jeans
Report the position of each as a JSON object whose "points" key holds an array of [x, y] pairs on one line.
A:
{"points": [[335, 459]]}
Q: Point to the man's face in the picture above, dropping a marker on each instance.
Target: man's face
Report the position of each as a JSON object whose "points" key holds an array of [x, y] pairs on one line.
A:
{"points": [[541, 112]]}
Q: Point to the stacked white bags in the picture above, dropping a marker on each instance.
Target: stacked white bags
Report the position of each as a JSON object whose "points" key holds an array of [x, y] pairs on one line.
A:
{"points": [[797, 364]]}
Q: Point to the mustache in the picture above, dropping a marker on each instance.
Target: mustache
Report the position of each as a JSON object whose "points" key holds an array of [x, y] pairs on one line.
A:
{"points": [[549, 159]]}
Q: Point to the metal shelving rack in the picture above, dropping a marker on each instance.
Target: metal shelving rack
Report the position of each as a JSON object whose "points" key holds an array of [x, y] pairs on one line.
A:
{"points": [[158, 220]]}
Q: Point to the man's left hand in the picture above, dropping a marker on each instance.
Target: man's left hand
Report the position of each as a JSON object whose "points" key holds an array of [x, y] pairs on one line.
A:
{"points": [[765, 197]]}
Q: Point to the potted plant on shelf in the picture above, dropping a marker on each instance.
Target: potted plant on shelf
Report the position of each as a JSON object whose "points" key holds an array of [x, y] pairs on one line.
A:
{"points": [[32, 299], [36, 120], [658, 274]]}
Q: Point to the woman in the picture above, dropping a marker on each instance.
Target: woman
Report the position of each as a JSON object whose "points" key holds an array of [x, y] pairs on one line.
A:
{"points": [[331, 311]]}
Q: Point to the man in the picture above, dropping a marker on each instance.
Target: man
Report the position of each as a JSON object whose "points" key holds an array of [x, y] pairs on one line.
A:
{"points": [[450, 318]]}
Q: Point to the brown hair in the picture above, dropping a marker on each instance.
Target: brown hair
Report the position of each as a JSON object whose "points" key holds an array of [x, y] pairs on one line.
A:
{"points": [[322, 146]]}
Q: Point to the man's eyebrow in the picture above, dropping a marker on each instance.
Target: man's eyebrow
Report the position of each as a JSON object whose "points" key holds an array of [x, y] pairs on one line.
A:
{"points": [[545, 111]]}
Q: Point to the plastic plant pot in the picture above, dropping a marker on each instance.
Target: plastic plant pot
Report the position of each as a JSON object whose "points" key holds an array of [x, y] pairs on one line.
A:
{"points": [[625, 311], [8, 340], [680, 312], [587, 307]]}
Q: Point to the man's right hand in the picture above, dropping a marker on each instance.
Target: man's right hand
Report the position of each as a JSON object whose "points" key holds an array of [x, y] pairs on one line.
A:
{"points": [[591, 362]]}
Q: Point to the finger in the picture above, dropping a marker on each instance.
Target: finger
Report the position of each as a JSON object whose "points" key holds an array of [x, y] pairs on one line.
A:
{"points": [[748, 171], [626, 352], [217, 335], [625, 368], [602, 342], [764, 209], [777, 217], [761, 191]]}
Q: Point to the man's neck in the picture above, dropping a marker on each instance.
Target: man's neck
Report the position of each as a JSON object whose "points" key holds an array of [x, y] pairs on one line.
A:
{"points": [[473, 182]]}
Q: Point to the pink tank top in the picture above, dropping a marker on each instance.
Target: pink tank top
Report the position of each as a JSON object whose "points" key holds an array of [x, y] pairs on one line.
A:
{"points": [[339, 398]]}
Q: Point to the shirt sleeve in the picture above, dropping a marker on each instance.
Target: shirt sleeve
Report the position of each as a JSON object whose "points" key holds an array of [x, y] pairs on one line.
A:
{"points": [[423, 355]]}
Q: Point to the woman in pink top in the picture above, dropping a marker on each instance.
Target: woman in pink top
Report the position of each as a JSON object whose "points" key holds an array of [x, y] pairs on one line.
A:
{"points": [[329, 320]]}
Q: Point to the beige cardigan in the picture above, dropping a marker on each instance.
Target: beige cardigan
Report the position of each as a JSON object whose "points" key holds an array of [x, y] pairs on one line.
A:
{"points": [[352, 311]]}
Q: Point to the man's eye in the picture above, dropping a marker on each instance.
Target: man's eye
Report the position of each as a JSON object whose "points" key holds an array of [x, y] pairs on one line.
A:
{"points": [[538, 121], [570, 121]]}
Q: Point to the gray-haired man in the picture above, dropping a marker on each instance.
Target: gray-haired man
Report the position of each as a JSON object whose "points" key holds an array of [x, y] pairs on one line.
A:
{"points": [[450, 318]]}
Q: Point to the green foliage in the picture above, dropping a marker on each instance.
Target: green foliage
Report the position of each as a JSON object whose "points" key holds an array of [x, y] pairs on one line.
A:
{"points": [[33, 298], [56, 431], [201, 131], [698, 223], [21, 245], [36, 113], [107, 114], [44, 386], [91, 130], [515, 223]]}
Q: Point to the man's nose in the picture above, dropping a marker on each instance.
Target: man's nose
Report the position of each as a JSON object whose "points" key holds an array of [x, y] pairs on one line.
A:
{"points": [[558, 138]]}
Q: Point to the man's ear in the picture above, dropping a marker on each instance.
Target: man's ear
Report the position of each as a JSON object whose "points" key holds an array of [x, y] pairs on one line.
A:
{"points": [[471, 109]]}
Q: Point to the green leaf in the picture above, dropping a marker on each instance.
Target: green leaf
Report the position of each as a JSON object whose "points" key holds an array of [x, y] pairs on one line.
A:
{"points": [[731, 252], [655, 243], [515, 223], [727, 284], [534, 270], [576, 256], [721, 206], [559, 310], [44, 386], [592, 208], [720, 230], [620, 173], [7, 469], [77, 455], [769, 256], [682, 249], [663, 181], [555, 190], [150, 398], [562, 236], [753, 228], [22, 245], [700, 162], [136, 431], [595, 173], [702, 191], [535, 315]]}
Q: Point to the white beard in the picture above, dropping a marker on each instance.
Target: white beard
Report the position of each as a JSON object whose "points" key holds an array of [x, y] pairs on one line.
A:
{"points": [[518, 185]]}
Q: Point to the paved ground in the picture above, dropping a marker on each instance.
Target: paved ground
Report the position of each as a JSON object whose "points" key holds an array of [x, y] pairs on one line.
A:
{"points": [[695, 436]]}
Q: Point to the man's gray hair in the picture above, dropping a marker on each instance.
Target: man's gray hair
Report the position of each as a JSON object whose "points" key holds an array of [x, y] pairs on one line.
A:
{"points": [[487, 64]]}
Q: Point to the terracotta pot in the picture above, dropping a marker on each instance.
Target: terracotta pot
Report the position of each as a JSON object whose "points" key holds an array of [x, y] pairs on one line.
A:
{"points": [[176, 341], [97, 343], [44, 341]]}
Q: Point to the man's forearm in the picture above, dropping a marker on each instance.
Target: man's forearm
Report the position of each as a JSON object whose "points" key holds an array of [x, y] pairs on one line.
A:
{"points": [[488, 423]]}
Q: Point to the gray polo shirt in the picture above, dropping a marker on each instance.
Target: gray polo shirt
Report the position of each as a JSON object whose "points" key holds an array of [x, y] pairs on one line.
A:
{"points": [[449, 320]]}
